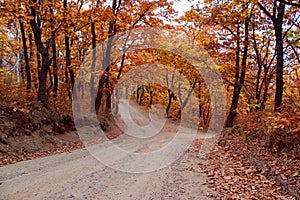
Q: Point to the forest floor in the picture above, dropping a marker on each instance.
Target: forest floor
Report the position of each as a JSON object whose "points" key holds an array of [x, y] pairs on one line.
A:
{"points": [[239, 166]]}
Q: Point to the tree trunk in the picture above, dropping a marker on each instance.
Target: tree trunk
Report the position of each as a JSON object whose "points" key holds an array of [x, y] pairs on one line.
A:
{"points": [[265, 95], [151, 99], [27, 66], [35, 25], [51, 81], [54, 59], [142, 96], [42, 93], [184, 103], [99, 93], [137, 94], [171, 96], [104, 79], [94, 51], [68, 58], [108, 101], [278, 23], [278, 27], [55, 70], [239, 78]]}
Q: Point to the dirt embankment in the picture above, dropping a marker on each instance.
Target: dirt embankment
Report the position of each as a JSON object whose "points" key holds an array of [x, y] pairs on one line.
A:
{"points": [[33, 128], [30, 131]]}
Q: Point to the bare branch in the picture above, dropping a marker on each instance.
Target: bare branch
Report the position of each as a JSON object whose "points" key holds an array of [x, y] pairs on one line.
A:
{"points": [[272, 17], [290, 3]]}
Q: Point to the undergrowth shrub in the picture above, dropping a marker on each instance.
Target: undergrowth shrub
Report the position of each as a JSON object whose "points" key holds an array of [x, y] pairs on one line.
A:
{"points": [[278, 131]]}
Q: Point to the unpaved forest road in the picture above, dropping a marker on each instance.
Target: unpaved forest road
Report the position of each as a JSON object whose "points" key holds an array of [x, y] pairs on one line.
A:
{"points": [[78, 175]]}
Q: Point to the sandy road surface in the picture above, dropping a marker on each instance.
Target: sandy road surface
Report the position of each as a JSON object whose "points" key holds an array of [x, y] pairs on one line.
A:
{"points": [[78, 175]]}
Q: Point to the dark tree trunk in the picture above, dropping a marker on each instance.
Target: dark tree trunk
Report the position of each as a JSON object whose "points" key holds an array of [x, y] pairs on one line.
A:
{"points": [[39, 65], [170, 98], [239, 76], [104, 79], [35, 25], [68, 59], [122, 66], [94, 51], [171, 95], [21, 66], [151, 98], [277, 19], [200, 110], [199, 97], [54, 59], [257, 85], [259, 64], [184, 103], [51, 81], [265, 95], [108, 101], [151, 94], [99, 93], [55, 70], [236, 91], [42, 93], [68, 63], [137, 94], [142, 96], [31, 53], [278, 23], [27, 66]]}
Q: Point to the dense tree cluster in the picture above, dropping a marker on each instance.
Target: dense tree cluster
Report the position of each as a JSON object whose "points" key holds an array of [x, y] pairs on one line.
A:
{"points": [[255, 45]]}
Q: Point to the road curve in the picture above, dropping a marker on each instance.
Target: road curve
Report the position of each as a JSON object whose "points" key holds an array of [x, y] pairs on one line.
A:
{"points": [[78, 175]]}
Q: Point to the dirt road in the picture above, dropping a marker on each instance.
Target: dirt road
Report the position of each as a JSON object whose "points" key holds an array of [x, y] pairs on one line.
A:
{"points": [[78, 175]]}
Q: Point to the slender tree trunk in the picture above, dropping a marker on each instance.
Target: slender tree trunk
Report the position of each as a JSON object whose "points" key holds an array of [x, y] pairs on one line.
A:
{"points": [[94, 51], [236, 91], [257, 85], [142, 96], [51, 81], [108, 101], [68, 63], [151, 98], [55, 70], [31, 53], [35, 25], [277, 20], [68, 58], [42, 93], [138, 94], [239, 78], [184, 103], [278, 23], [151, 94], [39, 64], [54, 59], [265, 95], [27, 66], [99, 93], [104, 79], [199, 103], [259, 64], [170, 98]]}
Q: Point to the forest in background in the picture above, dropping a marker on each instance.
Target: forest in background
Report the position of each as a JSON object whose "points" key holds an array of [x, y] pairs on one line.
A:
{"points": [[254, 44]]}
